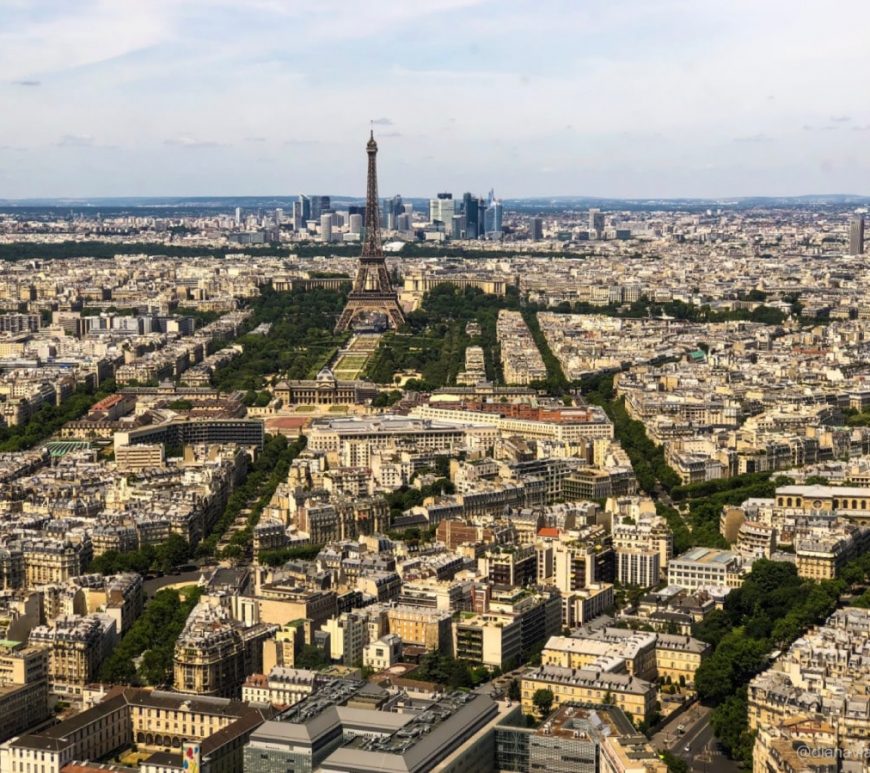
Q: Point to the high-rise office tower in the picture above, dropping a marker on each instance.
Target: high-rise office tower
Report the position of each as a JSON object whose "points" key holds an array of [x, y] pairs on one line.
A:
{"points": [[392, 209], [319, 205], [238, 216], [442, 209], [471, 210], [305, 205], [356, 224], [596, 223], [326, 227], [297, 216], [457, 229], [856, 235], [493, 220], [403, 222], [372, 290], [537, 228]]}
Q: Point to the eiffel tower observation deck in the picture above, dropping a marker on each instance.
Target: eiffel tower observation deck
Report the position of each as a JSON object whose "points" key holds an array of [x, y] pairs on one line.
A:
{"points": [[372, 292]]}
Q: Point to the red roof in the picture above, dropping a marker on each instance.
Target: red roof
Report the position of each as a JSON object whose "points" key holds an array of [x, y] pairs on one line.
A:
{"points": [[548, 531], [107, 402]]}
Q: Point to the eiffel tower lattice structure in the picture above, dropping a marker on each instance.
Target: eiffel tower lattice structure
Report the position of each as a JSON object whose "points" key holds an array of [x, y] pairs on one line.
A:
{"points": [[372, 291]]}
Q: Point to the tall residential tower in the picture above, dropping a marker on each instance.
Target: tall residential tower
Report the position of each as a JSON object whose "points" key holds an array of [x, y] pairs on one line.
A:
{"points": [[856, 235]]}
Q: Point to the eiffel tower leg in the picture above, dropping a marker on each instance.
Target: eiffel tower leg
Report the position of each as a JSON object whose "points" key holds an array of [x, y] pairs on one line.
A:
{"points": [[397, 319], [344, 320]]}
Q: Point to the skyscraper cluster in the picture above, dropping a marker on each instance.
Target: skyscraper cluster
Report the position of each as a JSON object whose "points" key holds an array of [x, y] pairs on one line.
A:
{"points": [[307, 208], [470, 217]]}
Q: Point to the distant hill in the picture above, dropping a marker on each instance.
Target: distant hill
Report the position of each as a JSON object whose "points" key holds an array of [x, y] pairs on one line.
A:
{"points": [[190, 205]]}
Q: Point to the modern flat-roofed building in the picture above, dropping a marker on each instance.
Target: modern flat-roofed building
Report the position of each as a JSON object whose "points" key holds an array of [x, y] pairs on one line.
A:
{"points": [[492, 639], [575, 738], [181, 430], [330, 731], [702, 567]]}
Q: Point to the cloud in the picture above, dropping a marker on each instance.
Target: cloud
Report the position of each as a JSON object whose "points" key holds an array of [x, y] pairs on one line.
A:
{"points": [[161, 74], [754, 138], [186, 141], [76, 141], [841, 118], [26, 83], [61, 37]]}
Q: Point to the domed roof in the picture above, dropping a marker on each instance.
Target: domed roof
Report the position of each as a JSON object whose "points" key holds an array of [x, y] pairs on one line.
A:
{"points": [[325, 374]]}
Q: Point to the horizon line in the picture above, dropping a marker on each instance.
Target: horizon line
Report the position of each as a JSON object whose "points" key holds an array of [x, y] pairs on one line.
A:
{"points": [[339, 196]]}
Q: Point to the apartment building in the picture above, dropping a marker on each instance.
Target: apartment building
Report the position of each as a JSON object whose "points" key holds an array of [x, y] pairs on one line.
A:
{"points": [[23, 687], [280, 686], [215, 652], [77, 647], [821, 678], [494, 639], [422, 627]]}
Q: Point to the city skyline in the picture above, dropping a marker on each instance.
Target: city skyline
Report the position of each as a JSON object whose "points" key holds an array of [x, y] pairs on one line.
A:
{"points": [[652, 100]]}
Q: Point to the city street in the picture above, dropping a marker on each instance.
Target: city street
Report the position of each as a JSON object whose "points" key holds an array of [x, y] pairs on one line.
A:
{"points": [[704, 753]]}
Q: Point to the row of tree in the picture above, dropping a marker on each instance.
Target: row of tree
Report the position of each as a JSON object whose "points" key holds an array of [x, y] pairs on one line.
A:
{"points": [[644, 308], [767, 613], [647, 459], [265, 474], [556, 382], [49, 418], [279, 556], [152, 638], [149, 558]]}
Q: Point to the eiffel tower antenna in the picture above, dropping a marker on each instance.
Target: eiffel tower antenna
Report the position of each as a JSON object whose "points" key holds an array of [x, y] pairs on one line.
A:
{"points": [[372, 290]]}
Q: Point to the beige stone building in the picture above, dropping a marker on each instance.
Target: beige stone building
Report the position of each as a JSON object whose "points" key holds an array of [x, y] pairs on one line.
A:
{"points": [[634, 696], [77, 647], [23, 687], [215, 652]]}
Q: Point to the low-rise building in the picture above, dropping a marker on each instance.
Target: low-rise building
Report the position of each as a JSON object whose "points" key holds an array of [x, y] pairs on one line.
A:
{"points": [[701, 567], [633, 695]]}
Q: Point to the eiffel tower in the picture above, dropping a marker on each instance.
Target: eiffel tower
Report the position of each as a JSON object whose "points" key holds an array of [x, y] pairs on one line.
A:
{"points": [[372, 291]]}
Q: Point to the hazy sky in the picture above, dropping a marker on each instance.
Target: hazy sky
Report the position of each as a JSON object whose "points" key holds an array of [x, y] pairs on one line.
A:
{"points": [[531, 97]]}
